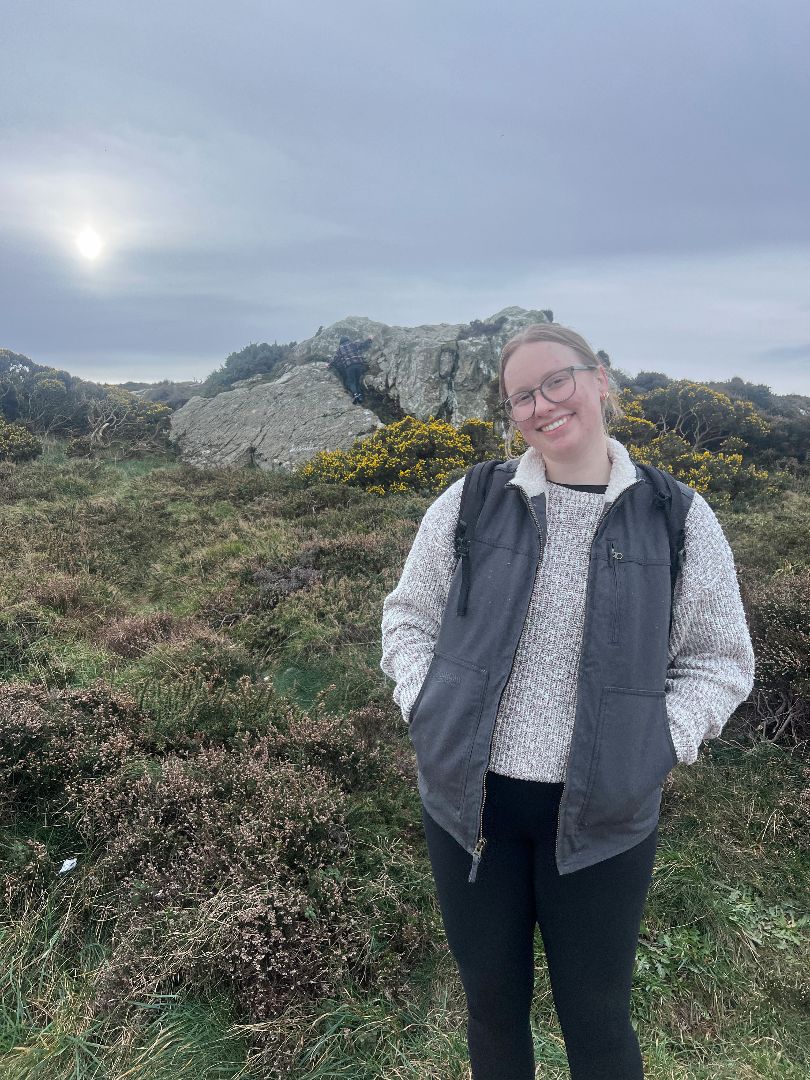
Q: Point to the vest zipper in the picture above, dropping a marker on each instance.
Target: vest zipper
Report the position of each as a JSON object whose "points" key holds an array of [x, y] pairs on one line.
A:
{"points": [[482, 843], [615, 557]]}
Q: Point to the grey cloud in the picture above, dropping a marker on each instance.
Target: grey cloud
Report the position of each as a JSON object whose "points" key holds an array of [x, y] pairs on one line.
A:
{"points": [[788, 354], [263, 168]]}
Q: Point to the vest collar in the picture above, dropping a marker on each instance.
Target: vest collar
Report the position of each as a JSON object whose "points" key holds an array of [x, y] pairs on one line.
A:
{"points": [[530, 473]]}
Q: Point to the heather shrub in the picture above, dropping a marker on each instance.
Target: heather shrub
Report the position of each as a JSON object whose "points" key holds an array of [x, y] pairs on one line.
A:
{"points": [[778, 609], [309, 500], [44, 480], [50, 737], [195, 709], [307, 626], [237, 487], [407, 455], [328, 635], [219, 866], [209, 866], [359, 554], [377, 728], [112, 538], [273, 585], [374, 515]]}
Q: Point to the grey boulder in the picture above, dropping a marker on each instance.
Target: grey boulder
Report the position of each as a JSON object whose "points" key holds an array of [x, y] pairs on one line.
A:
{"points": [[275, 425]]}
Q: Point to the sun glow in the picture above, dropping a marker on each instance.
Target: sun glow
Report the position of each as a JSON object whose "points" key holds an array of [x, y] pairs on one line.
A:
{"points": [[89, 243]]}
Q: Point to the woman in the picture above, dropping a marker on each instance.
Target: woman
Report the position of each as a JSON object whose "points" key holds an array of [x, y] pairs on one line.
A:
{"points": [[547, 715]]}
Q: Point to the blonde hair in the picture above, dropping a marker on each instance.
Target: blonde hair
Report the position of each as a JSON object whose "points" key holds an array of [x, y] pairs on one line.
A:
{"points": [[561, 335]]}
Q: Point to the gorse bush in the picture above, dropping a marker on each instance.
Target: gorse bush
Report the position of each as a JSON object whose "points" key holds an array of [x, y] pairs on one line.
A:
{"points": [[721, 473], [486, 438], [722, 476], [408, 455], [17, 443], [424, 457]]}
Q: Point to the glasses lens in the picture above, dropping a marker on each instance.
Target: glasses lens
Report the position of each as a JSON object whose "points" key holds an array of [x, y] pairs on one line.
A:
{"points": [[520, 406], [559, 386]]}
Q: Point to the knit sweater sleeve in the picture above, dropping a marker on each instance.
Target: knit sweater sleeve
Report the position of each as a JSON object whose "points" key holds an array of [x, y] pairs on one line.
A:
{"points": [[412, 613], [711, 659]]}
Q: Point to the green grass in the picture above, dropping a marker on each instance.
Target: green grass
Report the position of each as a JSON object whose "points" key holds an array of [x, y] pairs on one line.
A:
{"points": [[720, 983]]}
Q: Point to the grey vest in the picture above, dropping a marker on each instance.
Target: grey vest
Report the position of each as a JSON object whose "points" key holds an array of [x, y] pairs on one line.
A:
{"points": [[621, 746]]}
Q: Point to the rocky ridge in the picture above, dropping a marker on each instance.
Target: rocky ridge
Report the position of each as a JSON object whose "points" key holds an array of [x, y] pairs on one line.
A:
{"points": [[447, 370]]}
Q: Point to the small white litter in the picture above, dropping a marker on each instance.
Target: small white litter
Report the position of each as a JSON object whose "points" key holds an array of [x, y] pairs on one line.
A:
{"points": [[68, 864]]}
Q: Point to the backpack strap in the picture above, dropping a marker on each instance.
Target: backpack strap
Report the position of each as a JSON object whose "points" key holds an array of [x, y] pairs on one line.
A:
{"points": [[476, 485], [669, 498]]}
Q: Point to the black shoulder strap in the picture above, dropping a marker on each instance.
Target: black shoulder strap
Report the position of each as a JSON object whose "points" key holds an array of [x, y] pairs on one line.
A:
{"points": [[474, 492], [667, 495]]}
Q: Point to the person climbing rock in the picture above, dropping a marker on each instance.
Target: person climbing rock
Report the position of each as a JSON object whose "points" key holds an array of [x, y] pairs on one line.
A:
{"points": [[349, 364]]}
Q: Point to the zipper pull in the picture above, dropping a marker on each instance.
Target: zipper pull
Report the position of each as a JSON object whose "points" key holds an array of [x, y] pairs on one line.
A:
{"points": [[614, 554], [476, 859]]}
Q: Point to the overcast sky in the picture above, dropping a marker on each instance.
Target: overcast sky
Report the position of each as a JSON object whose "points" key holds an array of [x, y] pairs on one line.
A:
{"points": [[259, 168]]}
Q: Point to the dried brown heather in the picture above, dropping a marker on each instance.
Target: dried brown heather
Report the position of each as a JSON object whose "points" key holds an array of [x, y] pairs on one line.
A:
{"points": [[215, 866]]}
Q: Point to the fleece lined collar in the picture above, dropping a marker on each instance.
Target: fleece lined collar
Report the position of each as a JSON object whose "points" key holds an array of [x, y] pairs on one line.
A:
{"points": [[530, 473]]}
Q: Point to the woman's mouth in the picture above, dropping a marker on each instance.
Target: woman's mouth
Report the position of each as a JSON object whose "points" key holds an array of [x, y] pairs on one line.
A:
{"points": [[558, 423]]}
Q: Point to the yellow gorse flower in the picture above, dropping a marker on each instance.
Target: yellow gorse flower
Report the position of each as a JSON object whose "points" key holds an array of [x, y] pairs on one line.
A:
{"points": [[424, 456]]}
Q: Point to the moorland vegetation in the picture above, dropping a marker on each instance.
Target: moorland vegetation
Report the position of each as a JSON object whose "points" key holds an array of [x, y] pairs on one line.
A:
{"points": [[191, 708]]}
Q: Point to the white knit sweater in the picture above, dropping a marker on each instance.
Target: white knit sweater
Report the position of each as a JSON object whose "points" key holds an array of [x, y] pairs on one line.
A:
{"points": [[711, 661]]}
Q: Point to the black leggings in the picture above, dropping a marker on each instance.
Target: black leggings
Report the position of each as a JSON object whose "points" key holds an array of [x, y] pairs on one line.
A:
{"points": [[353, 379], [589, 921]]}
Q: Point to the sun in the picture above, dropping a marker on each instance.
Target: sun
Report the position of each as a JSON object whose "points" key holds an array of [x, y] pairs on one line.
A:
{"points": [[89, 243]]}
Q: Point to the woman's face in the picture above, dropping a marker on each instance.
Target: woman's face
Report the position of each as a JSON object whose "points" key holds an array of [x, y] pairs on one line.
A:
{"points": [[582, 430]]}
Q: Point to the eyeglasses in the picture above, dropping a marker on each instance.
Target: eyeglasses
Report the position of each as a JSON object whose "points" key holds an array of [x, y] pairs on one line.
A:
{"points": [[557, 387]]}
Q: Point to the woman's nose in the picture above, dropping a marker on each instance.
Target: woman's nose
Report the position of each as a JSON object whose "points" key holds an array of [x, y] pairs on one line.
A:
{"points": [[541, 406]]}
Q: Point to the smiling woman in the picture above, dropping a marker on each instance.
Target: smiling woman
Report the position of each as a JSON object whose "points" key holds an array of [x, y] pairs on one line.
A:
{"points": [[89, 243], [547, 713]]}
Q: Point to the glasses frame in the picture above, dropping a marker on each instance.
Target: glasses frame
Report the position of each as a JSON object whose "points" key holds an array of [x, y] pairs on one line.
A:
{"points": [[571, 369]]}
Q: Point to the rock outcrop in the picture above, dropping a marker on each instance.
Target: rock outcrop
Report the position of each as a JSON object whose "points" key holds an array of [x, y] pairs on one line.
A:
{"points": [[447, 370], [278, 424]]}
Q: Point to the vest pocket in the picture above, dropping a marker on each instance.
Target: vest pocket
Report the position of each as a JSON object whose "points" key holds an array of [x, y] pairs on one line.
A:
{"points": [[443, 725], [633, 753]]}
